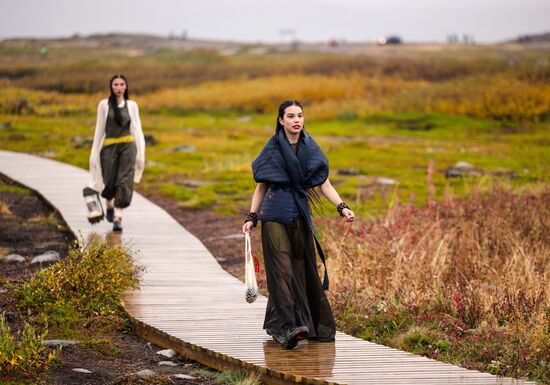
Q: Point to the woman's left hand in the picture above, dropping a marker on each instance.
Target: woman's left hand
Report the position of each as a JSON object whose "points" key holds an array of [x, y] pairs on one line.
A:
{"points": [[348, 215]]}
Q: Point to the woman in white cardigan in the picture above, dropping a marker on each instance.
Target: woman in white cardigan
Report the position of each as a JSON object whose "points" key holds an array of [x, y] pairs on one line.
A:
{"points": [[118, 151]]}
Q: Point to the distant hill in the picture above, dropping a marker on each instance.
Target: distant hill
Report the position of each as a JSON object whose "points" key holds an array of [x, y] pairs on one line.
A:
{"points": [[147, 43], [144, 44]]}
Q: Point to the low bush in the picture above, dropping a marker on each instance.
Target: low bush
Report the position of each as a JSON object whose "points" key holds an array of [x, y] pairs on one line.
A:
{"points": [[87, 283]]}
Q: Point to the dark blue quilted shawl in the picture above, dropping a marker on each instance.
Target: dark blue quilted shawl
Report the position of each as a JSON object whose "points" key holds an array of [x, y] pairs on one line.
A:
{"points": [[270, 167], [288, 175]]}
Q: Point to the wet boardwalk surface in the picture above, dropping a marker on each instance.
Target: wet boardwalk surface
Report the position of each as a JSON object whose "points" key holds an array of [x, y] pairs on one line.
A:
{"points": [[189, 303]]}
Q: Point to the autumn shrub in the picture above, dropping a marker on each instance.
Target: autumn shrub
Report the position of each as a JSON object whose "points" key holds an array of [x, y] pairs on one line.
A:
{"points": [[502, 97], [23, 353], [257, 95], [19, 101], [498, 97], [85, 71], [87, 283], [466, 279]]}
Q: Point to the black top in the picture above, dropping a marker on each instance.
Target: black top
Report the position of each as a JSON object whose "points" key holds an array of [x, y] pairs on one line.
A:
{"points": [[112, 128]]}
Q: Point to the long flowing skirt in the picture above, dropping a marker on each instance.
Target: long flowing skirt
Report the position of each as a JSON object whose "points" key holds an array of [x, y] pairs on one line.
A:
{"points": [[296, 296]]}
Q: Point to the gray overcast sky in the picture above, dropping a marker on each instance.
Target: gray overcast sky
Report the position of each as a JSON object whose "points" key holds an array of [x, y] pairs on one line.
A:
{"points": [[259, 20]]}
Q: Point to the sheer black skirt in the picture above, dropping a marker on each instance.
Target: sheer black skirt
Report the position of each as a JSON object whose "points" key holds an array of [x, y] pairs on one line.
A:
{"points": [[296, 295]]}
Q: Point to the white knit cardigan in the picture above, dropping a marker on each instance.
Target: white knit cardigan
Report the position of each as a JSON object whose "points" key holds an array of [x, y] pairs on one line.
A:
{"points": [[135, 129]]}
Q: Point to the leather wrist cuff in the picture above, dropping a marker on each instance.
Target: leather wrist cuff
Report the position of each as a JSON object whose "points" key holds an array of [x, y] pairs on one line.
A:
{"points": [[340, 208], [252, 217]]}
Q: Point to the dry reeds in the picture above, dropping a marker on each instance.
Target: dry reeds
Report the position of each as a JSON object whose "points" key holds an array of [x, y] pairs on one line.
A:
{"points": [[475, 272]]}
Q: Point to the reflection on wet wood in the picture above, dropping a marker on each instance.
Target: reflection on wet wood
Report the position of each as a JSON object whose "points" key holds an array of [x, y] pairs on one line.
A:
{"points": [[189, 303]]}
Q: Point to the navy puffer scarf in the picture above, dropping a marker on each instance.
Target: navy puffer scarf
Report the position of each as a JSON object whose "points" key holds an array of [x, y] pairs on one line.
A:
{"points": [[288, 175]]}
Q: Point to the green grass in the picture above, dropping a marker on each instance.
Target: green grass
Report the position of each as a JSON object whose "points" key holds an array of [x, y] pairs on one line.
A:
{"points": [[4, 188], [203, 372], [371, 131], [229, 377], [379, 146]]}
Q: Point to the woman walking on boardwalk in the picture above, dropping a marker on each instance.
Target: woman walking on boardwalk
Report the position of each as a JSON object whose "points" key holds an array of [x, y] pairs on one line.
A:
{"points": [[287, 169], [117, 158]]}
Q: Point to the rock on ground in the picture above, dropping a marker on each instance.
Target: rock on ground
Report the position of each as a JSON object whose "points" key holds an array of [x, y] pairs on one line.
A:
{"points": [[82, 370], [168, 363], [14, 258], [167, 353], [145, 373], [62, 343], [48, 256], [183, 377]]}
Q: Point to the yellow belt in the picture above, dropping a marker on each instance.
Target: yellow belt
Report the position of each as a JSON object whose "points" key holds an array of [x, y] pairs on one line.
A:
{"points": [[121, 139]]}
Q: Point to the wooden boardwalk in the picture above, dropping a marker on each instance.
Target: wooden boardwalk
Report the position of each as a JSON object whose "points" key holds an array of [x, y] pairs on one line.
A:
{"points": [[189, 303]]}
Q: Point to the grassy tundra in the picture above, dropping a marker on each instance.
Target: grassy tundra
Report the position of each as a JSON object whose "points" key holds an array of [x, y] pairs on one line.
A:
{"points": [[453, 268]]}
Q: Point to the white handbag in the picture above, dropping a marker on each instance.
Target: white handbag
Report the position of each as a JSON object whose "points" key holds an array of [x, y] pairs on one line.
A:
{"points": [[250, 283]]}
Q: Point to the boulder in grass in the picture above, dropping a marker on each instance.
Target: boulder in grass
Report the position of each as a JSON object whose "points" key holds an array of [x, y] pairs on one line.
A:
{"points": [[183, 148], [81, 141], [384, 181], [461, 165], [193, 183], [434, 149], [463, 169], [244, 119]]}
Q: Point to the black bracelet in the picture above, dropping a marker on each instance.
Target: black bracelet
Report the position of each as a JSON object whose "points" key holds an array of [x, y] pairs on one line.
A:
{"points": [[341, 208], [251, 217]]}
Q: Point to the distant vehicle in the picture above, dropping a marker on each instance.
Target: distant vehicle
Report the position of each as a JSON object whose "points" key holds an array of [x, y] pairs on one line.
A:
{"points": [[389, 40]]}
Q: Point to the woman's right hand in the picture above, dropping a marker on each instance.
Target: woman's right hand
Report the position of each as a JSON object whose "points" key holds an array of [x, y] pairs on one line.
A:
{"points": [[248, 226]]}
